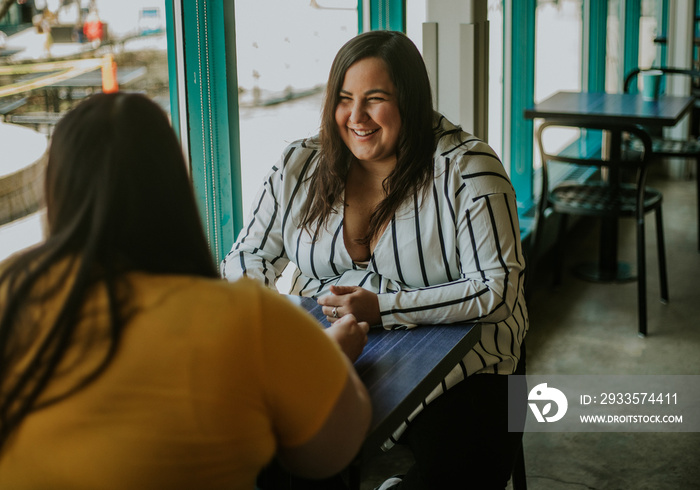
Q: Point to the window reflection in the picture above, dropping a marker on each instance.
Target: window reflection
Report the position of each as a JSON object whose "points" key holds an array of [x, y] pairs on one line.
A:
{"points": [[283, 64], [53, 54]]}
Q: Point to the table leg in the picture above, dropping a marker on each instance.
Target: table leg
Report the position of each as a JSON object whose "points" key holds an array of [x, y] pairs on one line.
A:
{"points": [[608, 268]]}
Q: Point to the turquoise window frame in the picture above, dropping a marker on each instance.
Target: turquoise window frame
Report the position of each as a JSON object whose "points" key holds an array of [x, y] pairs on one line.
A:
{"points": [[384, 15], [662, 14], [173, 79], [519, 64], [632, 15], [210, 88], [595, 17]]}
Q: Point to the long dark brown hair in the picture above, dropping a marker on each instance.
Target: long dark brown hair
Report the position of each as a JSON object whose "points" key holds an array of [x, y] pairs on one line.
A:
{"points": [[119, 199], [414, 165]]}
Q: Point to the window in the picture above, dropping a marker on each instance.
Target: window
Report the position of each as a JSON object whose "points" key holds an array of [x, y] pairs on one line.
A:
{"points": [[558, 58], [283, 64], [51, 57]]}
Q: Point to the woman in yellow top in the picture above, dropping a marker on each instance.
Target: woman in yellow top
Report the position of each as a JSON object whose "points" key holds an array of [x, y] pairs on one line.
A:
{"points": [[126, 363]]}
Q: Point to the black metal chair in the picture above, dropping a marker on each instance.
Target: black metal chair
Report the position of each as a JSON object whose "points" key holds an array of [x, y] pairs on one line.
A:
{"points": [[678, 148], [611, 199]]}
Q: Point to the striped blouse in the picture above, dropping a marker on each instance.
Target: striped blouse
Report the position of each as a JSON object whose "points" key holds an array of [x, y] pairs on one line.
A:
{"points": [[452, 254]]}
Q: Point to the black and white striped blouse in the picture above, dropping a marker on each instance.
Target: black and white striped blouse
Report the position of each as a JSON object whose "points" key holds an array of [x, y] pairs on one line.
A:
{"points": [[450, 255]]}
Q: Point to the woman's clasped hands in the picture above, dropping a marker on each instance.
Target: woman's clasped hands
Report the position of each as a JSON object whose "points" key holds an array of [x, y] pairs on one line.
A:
{"points": [[351, 300], [350, 310]]}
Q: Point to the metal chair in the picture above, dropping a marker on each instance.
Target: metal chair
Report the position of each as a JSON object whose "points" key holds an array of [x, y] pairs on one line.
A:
{"points": [[609, 199], [678, 148]]}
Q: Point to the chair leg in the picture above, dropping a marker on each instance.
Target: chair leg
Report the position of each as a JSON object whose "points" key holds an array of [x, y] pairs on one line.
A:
{"points": [[641, 279], [697, 182], [559, 264], [661, 252]]}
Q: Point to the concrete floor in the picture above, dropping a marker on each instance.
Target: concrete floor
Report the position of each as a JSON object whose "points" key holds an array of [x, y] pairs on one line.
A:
{"points": [[586, 328]]}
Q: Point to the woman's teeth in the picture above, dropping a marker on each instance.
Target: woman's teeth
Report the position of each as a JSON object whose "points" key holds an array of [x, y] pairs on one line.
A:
{"points": [[364, 133]]}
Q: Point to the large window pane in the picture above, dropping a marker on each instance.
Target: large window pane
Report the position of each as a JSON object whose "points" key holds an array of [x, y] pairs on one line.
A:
{"points": [[558, 57], [558, 48], [51, 57], [283, 65]]}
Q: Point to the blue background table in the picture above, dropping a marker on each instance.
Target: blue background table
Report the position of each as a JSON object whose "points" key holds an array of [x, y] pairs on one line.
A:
{"points": [[620, 108], [614, 109]]}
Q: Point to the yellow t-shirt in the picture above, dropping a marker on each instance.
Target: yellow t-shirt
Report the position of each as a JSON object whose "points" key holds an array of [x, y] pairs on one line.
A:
{"points": [[210, 377]]}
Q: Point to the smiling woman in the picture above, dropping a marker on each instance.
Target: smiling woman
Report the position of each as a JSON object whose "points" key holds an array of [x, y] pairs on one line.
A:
{"points": [[394, 216]]}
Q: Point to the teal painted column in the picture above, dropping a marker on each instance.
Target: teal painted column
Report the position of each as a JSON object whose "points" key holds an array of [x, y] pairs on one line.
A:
{"points": [[632, 15], [173, 86], [519, 87], [384, 15], [212, 115], [662, 30], [595, 37], [360, 16]]}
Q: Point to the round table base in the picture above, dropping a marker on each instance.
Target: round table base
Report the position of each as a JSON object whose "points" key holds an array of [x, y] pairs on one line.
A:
{"points": [[590, 271]]}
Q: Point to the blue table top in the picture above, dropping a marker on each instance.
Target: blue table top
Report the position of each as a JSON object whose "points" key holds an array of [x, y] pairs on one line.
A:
{"points": [[401, 367], [623, 108]]}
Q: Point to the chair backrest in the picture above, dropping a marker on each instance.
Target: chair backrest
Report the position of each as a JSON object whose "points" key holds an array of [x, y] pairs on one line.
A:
{"points": [[588, 151], [632, 75]]}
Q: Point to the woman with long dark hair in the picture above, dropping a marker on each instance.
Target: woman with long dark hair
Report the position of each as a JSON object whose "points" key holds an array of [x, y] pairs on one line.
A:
{"points": [[400, 218], [125, 362]]}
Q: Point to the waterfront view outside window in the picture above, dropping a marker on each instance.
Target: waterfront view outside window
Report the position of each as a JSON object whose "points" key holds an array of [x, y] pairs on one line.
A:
{"points": [[558, 59], [52, 54], [283, 64]]}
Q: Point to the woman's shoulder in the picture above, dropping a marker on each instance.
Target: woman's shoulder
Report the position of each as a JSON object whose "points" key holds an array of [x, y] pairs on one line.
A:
{"points": [[299, 153], [461, 152], [302, 146], [451, 141]]}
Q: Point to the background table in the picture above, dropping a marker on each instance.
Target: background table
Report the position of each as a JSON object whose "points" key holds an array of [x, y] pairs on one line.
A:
{"points": [[88, 81], [93, 79], [613, 109]]}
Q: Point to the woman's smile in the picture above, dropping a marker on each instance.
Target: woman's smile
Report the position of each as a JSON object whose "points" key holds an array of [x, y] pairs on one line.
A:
{"points": [[362, 133]]}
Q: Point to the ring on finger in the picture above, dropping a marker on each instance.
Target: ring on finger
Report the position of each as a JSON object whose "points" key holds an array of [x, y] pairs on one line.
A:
{"points": [[334, 313]]}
